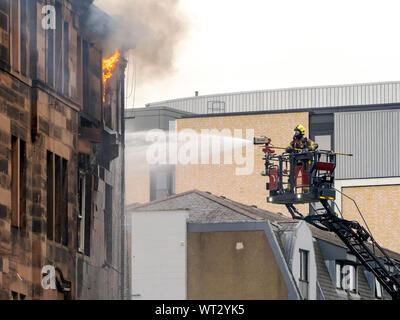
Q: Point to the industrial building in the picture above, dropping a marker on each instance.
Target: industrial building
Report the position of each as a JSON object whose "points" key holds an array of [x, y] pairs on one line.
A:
{"points": [[61, 156], [361, 119]]}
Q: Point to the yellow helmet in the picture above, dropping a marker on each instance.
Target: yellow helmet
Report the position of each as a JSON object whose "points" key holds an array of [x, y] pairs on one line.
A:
{"points": [[301, 130]]}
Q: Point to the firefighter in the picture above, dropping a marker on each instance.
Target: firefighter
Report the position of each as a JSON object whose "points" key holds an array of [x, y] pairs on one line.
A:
{"points": [[300, 141], [302, 167]]}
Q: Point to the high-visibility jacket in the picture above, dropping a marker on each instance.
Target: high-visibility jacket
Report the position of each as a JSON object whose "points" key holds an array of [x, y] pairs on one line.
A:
{"points": [[302, 143]]}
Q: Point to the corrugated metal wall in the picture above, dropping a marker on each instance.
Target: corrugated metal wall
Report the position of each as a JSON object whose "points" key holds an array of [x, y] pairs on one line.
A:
{"points": [[294, 98], [373, 138]]}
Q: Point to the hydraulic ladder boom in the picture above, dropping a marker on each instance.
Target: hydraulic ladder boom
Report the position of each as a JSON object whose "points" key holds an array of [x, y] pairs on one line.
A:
{"points": [[307, 177], [356, 237]]}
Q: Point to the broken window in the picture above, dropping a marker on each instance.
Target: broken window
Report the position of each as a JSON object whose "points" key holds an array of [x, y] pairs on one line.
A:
{"points": [[18, 183], [57, 198]]}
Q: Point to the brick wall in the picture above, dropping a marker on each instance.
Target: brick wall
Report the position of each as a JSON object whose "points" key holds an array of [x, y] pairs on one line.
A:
{"points": [[221, 179], [380, 207]]}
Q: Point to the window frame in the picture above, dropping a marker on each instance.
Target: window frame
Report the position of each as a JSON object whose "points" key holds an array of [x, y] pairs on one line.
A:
{"points": [[306, 254], [18, 183], [82, 211], [57, 198]]}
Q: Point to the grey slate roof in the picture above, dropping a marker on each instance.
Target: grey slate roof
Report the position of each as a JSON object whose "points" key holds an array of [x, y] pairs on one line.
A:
{"points": [[205, 207]]}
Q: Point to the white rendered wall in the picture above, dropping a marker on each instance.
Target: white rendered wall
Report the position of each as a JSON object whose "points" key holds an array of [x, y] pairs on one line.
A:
{"points": [[303, 240], [159, 255]]}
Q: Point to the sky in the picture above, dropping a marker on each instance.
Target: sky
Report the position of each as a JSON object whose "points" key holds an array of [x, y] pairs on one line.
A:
{"points": [[237, 45]]}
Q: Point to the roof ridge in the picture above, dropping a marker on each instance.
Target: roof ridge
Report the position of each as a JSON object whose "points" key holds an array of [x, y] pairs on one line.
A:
{"points": [[264, 211], [271, 90], [225, 203], [178, 195]]}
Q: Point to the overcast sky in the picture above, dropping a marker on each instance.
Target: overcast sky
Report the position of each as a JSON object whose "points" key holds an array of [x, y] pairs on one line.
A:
{"points": [[237, 45]]}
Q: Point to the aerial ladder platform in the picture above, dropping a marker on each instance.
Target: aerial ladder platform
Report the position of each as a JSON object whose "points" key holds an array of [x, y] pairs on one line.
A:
{"points": [[303, 177]]}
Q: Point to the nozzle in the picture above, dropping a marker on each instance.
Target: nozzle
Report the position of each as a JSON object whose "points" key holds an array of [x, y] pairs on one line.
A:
{"points": [[261, 140]]}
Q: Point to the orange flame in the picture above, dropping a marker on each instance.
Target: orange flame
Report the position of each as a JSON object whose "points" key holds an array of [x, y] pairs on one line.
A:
{"points": [[108, 68]]}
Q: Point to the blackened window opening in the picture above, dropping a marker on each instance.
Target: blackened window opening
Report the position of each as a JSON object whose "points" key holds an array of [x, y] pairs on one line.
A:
{"points": [[57, 198]]}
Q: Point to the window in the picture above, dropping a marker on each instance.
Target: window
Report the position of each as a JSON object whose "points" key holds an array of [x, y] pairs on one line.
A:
{"points": [[304, 276], [24, 37], [14, 295], [85, 77], [57, 198], [18, 183], [4, 31], [58, 47], [50, 57], [66, 59], [17, 296], [346, 277], [57, 53], [84, 215], [108, 223], [303, 265], [85, 184], [215, 106], [82, 211], [92, 76]]}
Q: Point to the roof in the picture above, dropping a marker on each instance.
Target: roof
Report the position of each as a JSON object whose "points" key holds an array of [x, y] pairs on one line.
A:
{"points": [[359, 94], [131, 113], [205, 207]]}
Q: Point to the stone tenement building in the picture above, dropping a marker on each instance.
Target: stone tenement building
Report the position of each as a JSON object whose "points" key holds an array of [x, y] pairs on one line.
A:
{"points": [[61, 154]]}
